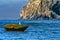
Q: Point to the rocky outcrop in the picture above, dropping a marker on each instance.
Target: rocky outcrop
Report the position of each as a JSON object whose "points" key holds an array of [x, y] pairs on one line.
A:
{"points": [[38, 9]]}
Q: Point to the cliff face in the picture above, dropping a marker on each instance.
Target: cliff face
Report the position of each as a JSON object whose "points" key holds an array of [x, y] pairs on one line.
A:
{"points": [[37, 9]]}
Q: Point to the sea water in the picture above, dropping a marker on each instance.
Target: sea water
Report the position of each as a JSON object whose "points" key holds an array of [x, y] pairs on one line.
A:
{"points": [[44, 30], [37, 29]]}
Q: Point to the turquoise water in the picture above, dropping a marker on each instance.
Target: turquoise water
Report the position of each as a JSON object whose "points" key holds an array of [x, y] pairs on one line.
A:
{"points": [[40, 30]]}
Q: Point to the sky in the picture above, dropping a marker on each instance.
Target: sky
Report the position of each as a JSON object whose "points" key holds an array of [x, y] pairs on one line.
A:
{"points": [[10, 9]]}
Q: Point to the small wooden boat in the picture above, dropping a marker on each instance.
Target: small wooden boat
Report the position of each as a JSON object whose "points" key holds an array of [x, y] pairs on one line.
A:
{"points": [[15, 27]]}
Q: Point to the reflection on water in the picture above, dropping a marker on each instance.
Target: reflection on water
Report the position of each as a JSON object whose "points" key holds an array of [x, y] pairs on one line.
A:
{"points": [[36, 31]]}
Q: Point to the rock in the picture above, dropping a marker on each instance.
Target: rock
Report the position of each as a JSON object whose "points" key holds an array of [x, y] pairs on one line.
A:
{"points": [[39, 9]]}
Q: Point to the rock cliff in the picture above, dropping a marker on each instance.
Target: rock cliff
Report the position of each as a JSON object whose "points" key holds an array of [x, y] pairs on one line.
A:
{"points": [[38, 9]]}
